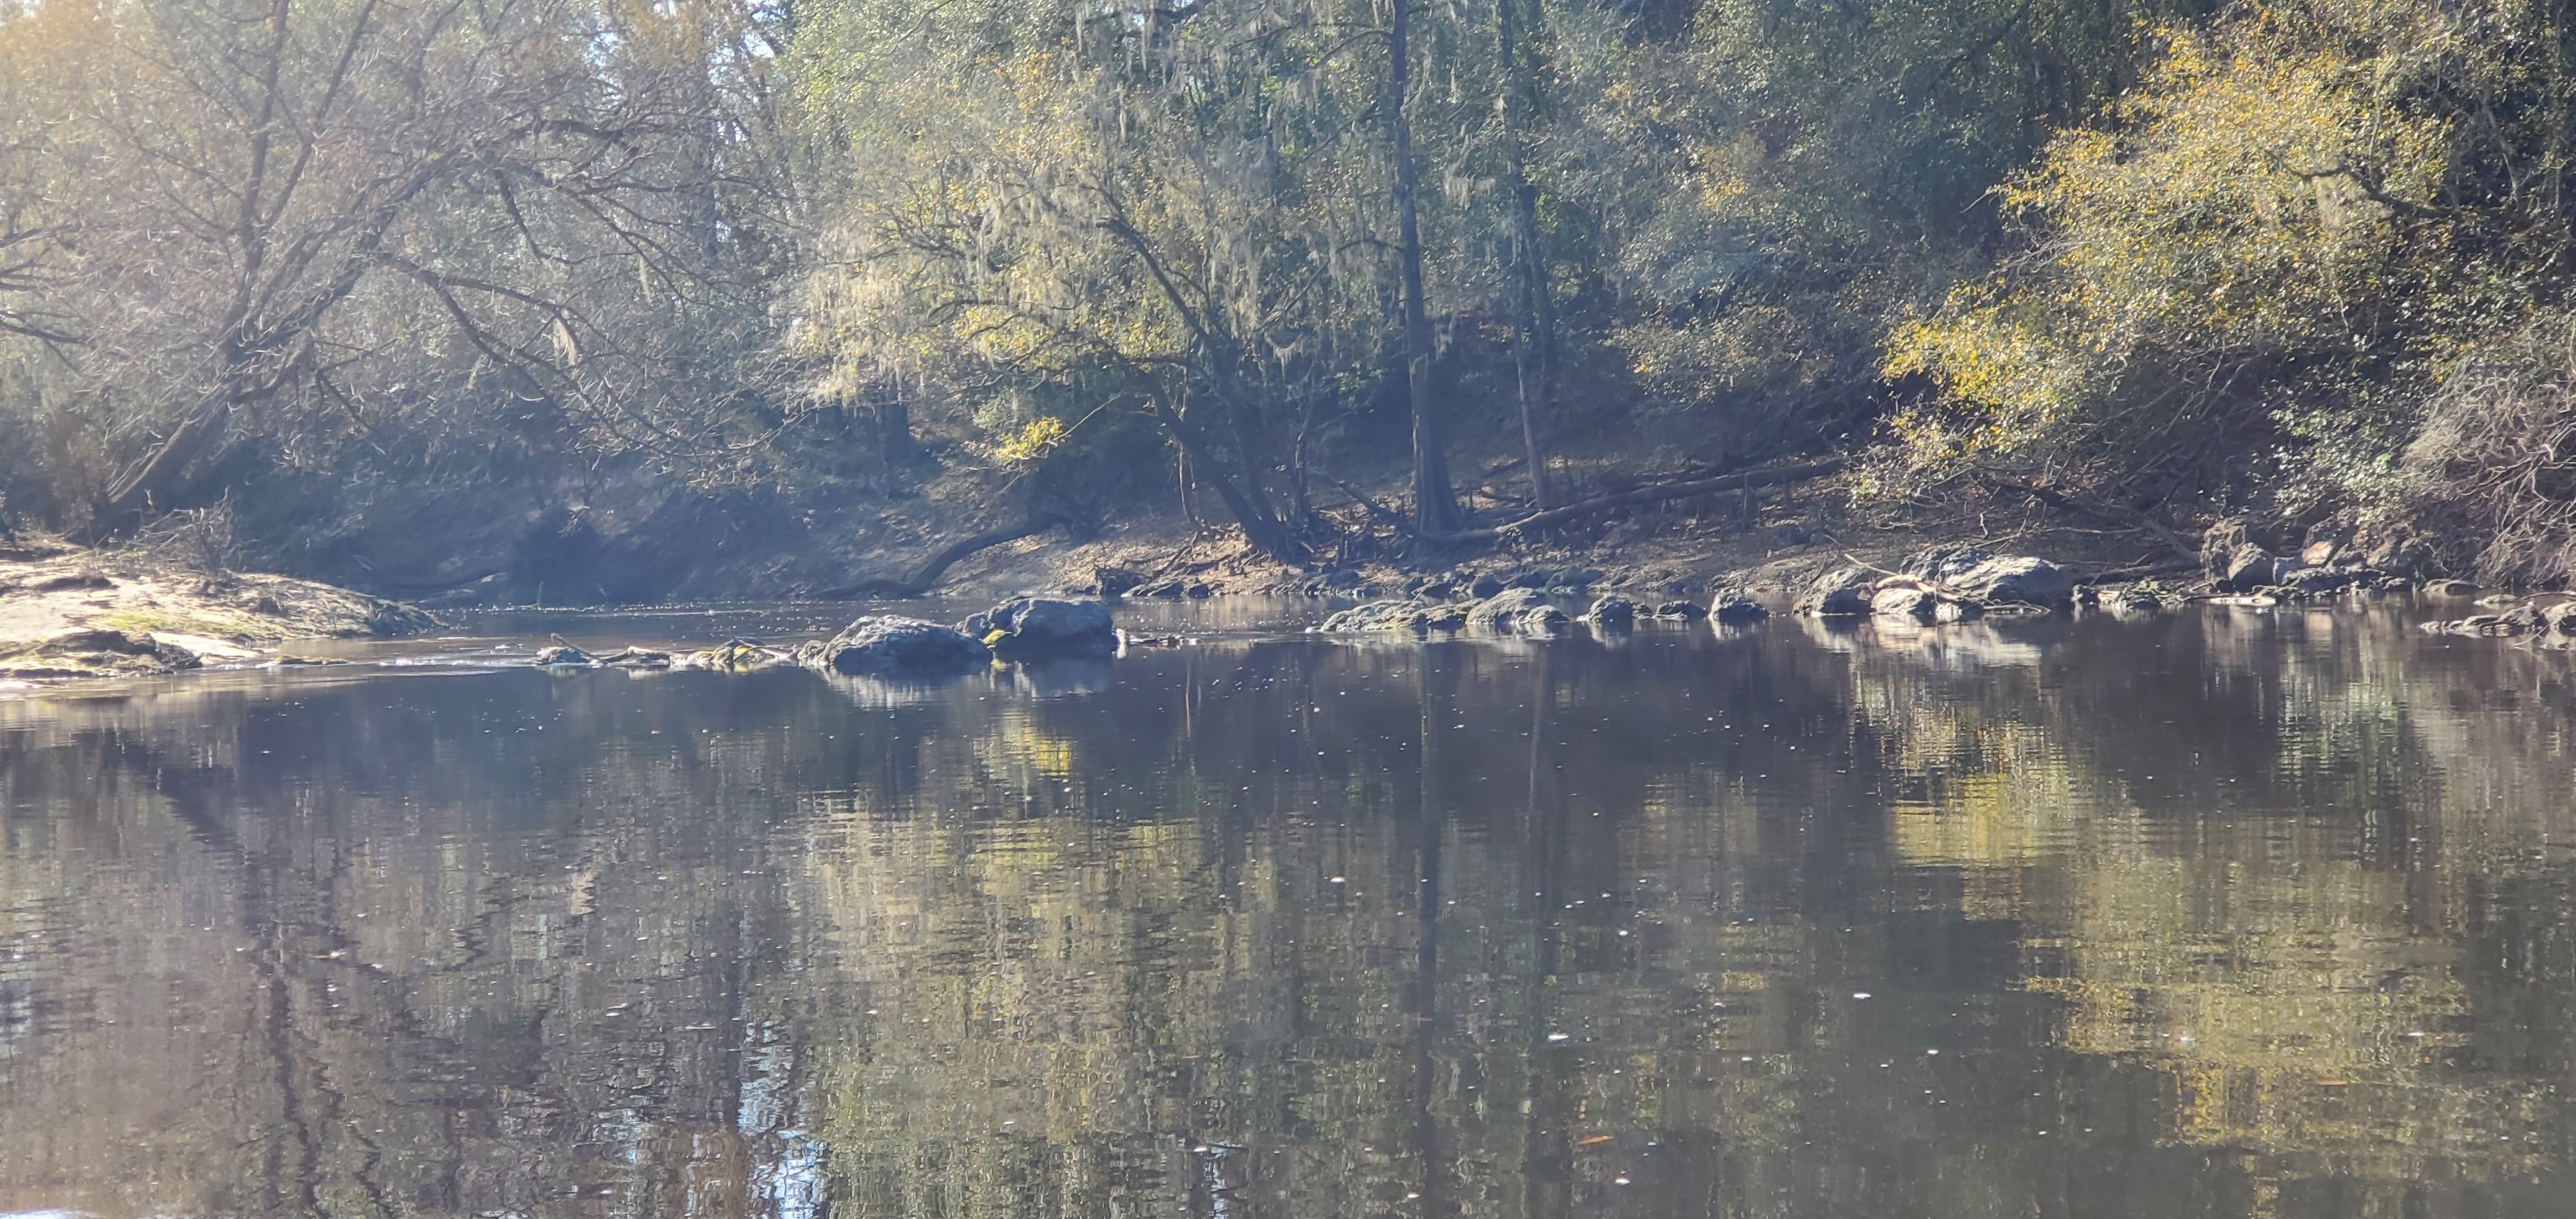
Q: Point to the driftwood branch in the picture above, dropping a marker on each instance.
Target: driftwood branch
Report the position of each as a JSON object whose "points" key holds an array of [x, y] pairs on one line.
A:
{"points": [[926, 577], [1642, 495]]}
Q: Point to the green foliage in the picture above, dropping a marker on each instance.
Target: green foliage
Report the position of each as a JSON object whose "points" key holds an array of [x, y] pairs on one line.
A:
{"points": [[2287, 230]]}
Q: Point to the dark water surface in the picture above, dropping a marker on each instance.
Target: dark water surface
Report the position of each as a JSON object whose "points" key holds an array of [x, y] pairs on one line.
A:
{"points": [[2226, 915]]}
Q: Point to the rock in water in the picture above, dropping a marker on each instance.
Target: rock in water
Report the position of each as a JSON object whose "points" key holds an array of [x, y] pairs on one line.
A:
{"points": [[1736, 608], [564, 656], [1517, 611], [2017, 580], [96, 653], [888, 645], [1680, 611], [1032, 627], [1614, 612], [2248, 567], [1838, 594], [1394, 615], [1906, 601]]}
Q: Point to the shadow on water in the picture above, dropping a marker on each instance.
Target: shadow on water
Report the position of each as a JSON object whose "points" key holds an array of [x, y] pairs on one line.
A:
{"points": [[2224, 915]]}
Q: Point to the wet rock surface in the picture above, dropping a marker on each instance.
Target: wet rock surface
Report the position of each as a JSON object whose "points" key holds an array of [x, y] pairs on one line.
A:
{"points": [[1517, 611], [2552, 621], [888, 645], [1613, 613], [1029, 628]]}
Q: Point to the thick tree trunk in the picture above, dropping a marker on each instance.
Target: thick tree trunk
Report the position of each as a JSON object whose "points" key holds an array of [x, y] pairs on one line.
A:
{"points": [[1435, 503]]}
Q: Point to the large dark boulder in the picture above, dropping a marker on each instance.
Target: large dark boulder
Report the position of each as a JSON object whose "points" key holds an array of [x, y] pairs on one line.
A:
{"points": [[1035, 627], [888, 645]]}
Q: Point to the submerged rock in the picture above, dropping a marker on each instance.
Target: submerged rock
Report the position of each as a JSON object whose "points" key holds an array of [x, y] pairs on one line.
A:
{"points": [[1680, 611], [890, 645], [636, 658], [2520, 618], [733, 656], [1400, 615], [1517, 611], [1035, 627], [95, 652]]}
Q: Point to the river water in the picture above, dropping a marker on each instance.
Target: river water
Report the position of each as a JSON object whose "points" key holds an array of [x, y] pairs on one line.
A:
{"points": [[2223, 914]]}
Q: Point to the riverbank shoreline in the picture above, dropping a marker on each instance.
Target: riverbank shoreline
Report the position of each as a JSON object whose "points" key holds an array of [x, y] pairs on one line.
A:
{"points": [[70, 612]]}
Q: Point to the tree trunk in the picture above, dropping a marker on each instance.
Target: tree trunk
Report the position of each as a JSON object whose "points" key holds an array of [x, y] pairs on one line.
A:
{"points": [[895, 446], [1533, 335], [1260, 526], [1435, 504], [149, 485]]}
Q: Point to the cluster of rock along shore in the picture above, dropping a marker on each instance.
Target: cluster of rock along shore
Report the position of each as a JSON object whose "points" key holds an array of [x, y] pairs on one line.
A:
{"points": [[890, 645], [1943, 584]]}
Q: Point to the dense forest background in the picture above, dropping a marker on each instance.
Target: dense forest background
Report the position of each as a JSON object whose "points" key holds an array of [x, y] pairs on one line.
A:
{"points": [[428, 295]]}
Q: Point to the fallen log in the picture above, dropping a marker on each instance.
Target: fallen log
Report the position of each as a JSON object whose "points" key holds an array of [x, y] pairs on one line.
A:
{"points": [[926, 577], [1642, 495]]}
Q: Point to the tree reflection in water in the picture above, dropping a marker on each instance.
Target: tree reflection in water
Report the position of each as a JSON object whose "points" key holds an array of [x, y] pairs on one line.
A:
{"points": [[2235, 915]]}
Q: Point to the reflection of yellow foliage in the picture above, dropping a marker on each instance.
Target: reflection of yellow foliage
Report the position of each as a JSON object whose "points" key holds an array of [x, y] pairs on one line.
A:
{"points": [[1996, 821]]}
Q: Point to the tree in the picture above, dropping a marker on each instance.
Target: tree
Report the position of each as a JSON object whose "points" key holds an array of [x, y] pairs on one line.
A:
{"points": [[2282, 236], [281, 220]]}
